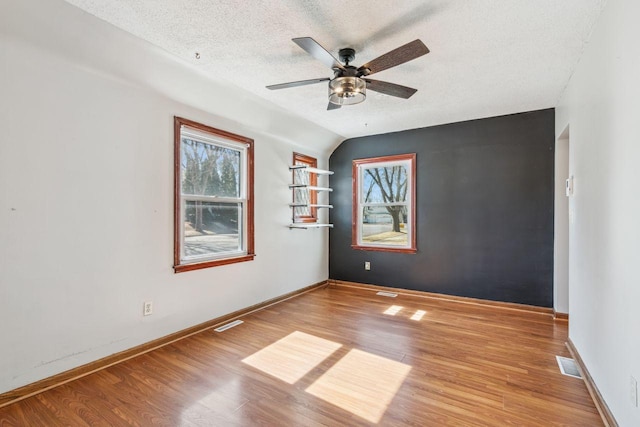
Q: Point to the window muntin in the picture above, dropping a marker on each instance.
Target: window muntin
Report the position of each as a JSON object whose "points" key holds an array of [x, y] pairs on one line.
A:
{"points": [[303, 195], [384, 204], [214, 197]]}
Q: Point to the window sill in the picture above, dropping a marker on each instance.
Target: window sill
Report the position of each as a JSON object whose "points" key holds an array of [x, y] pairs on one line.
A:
{"points": [[385, 249], [212, 263]]}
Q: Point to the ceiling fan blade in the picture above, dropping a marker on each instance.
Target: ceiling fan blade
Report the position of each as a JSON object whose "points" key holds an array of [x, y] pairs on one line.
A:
{"points": [[298, 83], [314, 49], [395, 57], [390, 88], [333, 106]]}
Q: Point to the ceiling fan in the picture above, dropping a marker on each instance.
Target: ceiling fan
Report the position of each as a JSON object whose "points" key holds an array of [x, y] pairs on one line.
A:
{"points": [[349, 84]]}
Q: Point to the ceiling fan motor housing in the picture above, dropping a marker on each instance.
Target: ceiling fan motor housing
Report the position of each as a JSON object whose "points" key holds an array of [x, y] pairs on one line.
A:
{"points": [[347, 55]]}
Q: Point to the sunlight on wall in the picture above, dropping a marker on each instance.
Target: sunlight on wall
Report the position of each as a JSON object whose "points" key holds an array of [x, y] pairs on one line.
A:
{"points": [[293, 356], [393, 310], [361, 383], [419, 314]]}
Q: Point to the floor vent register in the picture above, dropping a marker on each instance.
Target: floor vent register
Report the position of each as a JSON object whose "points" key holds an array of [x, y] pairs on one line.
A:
{"points": [[568, 367]]}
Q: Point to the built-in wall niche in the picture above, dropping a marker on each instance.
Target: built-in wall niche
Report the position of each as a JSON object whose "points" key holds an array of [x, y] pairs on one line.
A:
{"points": [[308, 195]]}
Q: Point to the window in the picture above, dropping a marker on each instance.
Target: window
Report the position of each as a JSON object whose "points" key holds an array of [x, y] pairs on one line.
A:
{"points": [[303, 195], [384, 204], [213, 201]]}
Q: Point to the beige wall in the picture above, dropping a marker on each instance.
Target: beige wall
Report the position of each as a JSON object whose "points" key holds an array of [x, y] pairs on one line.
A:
{"points": [[86, 193], [602, 105]]}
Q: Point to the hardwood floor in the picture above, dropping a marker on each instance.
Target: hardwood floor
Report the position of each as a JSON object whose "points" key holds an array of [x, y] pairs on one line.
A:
{"points": [[337, 356]]}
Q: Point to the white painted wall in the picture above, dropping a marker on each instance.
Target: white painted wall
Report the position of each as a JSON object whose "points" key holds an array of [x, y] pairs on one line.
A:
{"points": [[86, 189], [602, 106], [561, 227]]}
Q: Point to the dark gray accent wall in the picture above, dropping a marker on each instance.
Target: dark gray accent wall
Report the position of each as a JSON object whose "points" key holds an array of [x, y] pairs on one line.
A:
{"points": [[484, 210]]}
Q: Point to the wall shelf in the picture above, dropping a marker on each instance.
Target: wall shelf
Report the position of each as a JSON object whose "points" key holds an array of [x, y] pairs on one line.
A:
{"points": [[309, 205], [310, 187], [304, 226], [311, 170], [297, 186]]}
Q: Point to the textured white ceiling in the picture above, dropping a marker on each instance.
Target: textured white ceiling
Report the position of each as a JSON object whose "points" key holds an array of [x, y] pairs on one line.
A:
{"points": [[488, 57]]}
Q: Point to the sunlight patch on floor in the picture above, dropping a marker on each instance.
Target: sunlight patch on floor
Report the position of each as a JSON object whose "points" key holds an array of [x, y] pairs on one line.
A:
{"points": [[361, 383], [393, 310], [418, 315], [293, 356], [223, 400]]}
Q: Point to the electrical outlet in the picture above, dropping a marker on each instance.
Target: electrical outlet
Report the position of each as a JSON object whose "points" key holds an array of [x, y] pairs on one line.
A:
{"points": [[367, 265], [633, 385], [147, 310]]}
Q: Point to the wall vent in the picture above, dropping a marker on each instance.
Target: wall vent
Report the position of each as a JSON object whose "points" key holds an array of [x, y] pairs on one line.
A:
{"points": [[229, 326], [568, 367], [387, 294]]}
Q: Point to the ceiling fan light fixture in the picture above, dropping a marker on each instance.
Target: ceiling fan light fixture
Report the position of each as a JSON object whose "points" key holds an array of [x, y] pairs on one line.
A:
{"points": [[348, 85], [347, 90]]}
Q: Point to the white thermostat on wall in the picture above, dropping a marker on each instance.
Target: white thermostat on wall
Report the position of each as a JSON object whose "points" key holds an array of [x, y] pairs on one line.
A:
{"points": [[569, 186]]}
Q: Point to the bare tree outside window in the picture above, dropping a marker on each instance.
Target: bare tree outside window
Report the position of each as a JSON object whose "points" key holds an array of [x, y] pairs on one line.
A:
{"points": [[209, 170], [388, 184]]}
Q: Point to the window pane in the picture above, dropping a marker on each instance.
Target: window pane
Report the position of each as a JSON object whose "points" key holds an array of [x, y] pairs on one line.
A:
{"points": [[301, 195], [384, 184], [211, 229], [385, 225], [209, 170]]}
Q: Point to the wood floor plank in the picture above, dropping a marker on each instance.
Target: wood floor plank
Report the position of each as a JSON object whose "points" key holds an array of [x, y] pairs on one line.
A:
{"points": [[409, 361]]}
